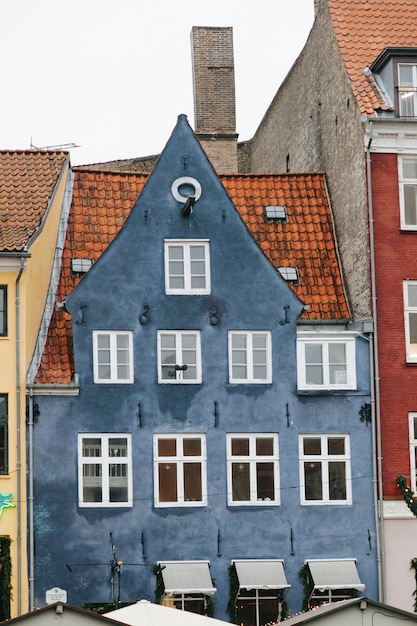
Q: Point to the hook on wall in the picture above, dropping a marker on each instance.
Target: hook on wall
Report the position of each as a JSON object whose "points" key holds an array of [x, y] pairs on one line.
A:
{"points": [[285, 320], [83, 315]]}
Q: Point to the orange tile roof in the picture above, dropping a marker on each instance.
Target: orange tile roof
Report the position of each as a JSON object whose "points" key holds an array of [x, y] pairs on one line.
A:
{"points": [[364, 28], [27, 181], [103, 200]]}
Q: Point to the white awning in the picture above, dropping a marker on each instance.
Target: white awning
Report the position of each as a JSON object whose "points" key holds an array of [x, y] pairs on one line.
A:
{"points": [[187, 577], [335, 574], [261, 574]]}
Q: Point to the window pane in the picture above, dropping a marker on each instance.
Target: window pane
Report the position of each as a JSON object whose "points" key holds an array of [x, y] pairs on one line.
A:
{"points": [[412, 317], [240, 482], [3, 448], [264, 446], [240, 447], [313, 481], [118, 482], [312, 445], [167, 447], [168, 356], [91, 447], [192, 447], [167, 477], [117, 447], [176, 267], [198, 267], [123, 369], [103, 356], [337, 363], [3, 407], [192, 482], [336, 445], [239, 342], [409, 168], [268, 610], [92, 483], [265, 481], [412, 295], [314, 364], [410, 204], [337, 480]]}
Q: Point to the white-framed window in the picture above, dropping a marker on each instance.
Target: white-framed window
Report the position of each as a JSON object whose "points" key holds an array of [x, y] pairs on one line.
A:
{"points": [[179, 356], [410, 313], [407, 89], [252, 469], [250, 356], [407, 169], [187, 266], [104, 470], [412, 418], [180, 470], [113, 356], [325, 475], [326, 363]]}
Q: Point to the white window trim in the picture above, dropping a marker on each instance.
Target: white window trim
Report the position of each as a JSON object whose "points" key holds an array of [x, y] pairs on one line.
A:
{"points": [[413, 447], [402, 181], [249, 354], [113, 334], [186, 245], [411, 89], [179, 459], [105, 460], [180, 380], [324, 459], [304, 338], [252, 459], [410, 358]]}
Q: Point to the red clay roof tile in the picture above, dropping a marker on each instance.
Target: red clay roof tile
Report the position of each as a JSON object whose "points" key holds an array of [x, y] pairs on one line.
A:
{"points": [[364, 28], [27, 180]]}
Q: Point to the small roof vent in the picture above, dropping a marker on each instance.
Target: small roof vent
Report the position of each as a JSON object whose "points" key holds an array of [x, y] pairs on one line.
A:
{"points": [[290, 274], [80, 266], [274, 214]]}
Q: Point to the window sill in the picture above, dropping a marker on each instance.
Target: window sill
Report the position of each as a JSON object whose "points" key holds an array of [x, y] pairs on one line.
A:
{"points": [[332, 392]]}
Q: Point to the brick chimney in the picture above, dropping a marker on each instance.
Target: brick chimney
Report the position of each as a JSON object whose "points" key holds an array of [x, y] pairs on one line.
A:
{"points": [[214, 95]]}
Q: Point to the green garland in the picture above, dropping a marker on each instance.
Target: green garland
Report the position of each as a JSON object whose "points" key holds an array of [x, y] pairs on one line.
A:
{"points": [[409, 497], [5, 578], [304, 576]]}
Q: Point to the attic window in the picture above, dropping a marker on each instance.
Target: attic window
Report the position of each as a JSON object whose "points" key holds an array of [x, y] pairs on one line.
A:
{"points": [[80, 266], [290, 274], [275, 214]]}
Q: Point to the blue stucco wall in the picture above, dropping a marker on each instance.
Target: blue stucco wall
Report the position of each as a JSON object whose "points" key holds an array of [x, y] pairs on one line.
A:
{"points": [[249, 295]]}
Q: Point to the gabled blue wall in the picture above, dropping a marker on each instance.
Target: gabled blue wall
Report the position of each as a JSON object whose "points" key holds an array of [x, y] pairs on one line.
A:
{"points": [[250, 295]]}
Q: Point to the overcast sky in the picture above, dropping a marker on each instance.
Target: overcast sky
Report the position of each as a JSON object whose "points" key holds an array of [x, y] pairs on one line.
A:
{"points": [[113, 75]]}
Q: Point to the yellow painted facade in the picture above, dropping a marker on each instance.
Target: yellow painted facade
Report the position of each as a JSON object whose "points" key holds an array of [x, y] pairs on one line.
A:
{"points": [[27, 278]]}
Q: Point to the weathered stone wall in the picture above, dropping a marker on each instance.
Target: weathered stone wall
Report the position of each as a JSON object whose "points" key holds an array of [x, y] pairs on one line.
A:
{"points": [[314, 124]]}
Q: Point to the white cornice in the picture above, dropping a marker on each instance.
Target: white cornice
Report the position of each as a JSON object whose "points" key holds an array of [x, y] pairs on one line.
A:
{"points": [[10, 263], [391, 135], [396, 509]]}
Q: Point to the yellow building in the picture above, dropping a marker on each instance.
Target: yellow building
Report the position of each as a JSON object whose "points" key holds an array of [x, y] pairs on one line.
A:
{"points": [[35, 190]]}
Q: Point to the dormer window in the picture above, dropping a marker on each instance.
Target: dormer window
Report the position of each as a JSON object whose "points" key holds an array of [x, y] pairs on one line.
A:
{"points": [[395, 72]]}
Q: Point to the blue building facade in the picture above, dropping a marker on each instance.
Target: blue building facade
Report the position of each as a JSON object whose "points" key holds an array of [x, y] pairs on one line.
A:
{"points": [[218, 446]]}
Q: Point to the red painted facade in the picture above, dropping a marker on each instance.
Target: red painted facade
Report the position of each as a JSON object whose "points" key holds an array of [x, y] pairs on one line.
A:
{"points": [[395, 261]]}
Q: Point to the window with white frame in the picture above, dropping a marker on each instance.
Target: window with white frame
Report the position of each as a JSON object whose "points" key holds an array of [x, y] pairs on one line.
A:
{"points": [[179, 356], [407, 167], [412, 417], [104, 470], [325, 469], [407, 89], [180, 470], [325, 363], [252, 469], [113, 356], [187, 266], [4, 438], [410, 312], [250, 357]]}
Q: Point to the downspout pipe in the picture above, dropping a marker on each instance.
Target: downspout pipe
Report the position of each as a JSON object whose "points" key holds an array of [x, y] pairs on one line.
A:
{"points": [[18, 442], [379, 502], [31, 540]]}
